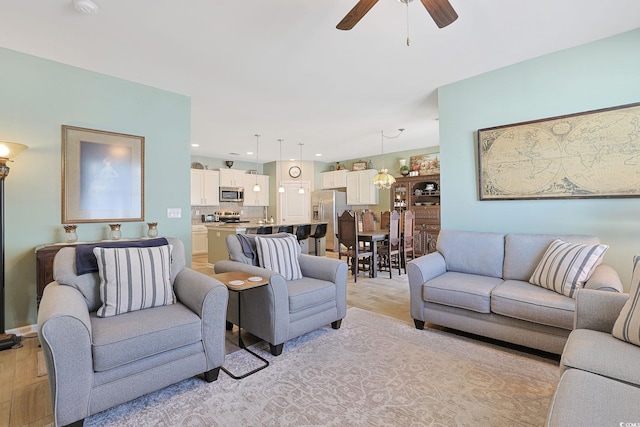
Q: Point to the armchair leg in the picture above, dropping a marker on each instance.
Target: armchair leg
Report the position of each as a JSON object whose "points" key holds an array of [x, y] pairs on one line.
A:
{"points": [[229, 326], [212, 375], [419, 324], [78, 423], [336, 324], [276, 350]]}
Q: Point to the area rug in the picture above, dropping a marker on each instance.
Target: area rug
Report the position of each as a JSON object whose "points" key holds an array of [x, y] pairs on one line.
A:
{"points": [[374, 371]]}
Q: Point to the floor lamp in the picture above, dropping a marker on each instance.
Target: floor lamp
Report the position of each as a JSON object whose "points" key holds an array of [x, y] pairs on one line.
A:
{"points": [[8, 150]]}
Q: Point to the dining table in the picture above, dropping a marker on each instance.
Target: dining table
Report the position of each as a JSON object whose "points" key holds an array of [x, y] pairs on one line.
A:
{"points": [[373, 237]]}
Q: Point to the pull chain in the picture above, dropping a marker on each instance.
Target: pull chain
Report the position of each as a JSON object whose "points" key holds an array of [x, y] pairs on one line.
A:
{"points": [[408, 38]]}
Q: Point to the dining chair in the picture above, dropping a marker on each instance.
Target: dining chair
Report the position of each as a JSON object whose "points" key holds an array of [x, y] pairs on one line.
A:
{"points": [[384, 220], [391, 249], [348, 237], [368, 224], [407, 237]]}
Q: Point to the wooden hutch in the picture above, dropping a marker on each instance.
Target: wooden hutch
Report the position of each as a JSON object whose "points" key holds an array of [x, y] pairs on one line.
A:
{"points": [[421, 194]]}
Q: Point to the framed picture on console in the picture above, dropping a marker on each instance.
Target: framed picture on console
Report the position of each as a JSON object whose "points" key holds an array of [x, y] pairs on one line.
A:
{"points": [[102, 176]]}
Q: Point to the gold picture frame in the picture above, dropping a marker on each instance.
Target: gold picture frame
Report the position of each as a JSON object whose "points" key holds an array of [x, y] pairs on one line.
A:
{"points": [[359, 166], [593, 154], [102, 176]]}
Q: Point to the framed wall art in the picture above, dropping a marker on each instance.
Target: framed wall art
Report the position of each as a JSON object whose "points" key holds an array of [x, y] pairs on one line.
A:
{"points": [[593, 154], [102, 176], [425, 164], [359, 166]]}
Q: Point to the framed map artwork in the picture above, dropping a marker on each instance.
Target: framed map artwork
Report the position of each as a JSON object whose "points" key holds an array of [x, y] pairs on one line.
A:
{"points": [[585, 155]]}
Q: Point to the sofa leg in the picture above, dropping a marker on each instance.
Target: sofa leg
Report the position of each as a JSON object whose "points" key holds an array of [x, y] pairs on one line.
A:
{"points": [[419, 324], [276, 350], [78, 423], [212, 375], [336, 324]]}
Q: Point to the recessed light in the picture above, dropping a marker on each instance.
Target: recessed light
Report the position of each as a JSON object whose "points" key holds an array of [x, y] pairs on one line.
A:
{"points": [[195, 145], [318, 155], [249, 153]]}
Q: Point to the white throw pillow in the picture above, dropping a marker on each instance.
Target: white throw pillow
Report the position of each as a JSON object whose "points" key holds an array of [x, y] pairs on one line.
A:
{"points": [[627, 326], [565, 267], [134, 278], [279, 255]]}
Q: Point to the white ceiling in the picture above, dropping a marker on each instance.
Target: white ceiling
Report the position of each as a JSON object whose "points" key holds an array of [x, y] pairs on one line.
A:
{"points": [[280, 68]]}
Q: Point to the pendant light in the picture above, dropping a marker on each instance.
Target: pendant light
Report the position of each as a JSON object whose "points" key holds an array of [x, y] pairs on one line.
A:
{"points": [[301, 189], [281, 187], [383, 180], [256, 187]]}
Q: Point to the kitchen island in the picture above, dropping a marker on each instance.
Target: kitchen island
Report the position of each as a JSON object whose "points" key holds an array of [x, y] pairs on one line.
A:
{"points": [[218, 232]]}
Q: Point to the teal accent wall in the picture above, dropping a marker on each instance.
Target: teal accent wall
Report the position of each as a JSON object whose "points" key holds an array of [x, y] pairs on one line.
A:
{"points": [[601, 74], [37, 97]]}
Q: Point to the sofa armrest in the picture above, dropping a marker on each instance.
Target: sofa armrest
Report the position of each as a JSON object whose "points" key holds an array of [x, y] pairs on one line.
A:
{"points": [[207, 297], [604, 278], [598, 310], [64, 330], [330, 270], [421, 270]]}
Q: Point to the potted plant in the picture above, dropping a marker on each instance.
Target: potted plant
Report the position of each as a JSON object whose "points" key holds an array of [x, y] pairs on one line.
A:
{"points": [[404, 170]]}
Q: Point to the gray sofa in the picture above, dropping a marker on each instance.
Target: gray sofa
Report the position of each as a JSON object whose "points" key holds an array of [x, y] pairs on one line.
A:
{"points": [[600, 382], [478, 283], [283, 309], [95, 363]]}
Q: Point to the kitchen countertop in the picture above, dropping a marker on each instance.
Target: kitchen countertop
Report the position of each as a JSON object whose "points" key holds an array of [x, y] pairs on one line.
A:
{"points": [[243, 226]]}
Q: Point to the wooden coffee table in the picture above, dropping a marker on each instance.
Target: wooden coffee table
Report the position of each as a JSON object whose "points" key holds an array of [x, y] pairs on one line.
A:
{"points": [[229, 279]]}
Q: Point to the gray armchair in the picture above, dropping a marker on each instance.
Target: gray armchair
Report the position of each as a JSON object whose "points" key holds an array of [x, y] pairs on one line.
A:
{"points": [[283, 310], [95, 363]]}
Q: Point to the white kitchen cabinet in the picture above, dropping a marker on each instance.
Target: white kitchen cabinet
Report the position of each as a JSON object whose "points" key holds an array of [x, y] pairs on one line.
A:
{"points": [[231, 178], [199, 244], [256, 198], [205, 186], [360, 188], [334, 179]]}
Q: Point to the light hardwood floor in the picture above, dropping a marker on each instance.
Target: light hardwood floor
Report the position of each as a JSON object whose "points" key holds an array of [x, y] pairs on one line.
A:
{"points": [[25, 398]]}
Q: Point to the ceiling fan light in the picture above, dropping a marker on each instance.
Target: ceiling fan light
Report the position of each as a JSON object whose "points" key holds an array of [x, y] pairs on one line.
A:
{"points": [[86, 7]]}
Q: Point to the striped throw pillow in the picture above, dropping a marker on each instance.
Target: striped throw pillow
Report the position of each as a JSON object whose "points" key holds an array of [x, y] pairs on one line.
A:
{"points": [[565, 267], [627, 326], [279, 255], [134, 278]]}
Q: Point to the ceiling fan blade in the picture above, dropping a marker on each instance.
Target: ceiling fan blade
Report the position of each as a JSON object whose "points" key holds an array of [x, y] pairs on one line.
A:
{"points": [[441, 11], [356, 14]]}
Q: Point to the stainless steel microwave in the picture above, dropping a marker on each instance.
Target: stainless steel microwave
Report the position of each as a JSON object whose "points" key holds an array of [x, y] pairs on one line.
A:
{"points": [[231, 194]]}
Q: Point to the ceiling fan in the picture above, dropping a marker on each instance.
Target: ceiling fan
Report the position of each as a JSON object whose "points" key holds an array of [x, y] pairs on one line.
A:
{"points": [[440, 10]]}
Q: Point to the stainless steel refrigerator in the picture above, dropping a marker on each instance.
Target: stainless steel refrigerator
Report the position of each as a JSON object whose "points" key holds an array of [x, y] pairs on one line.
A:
{"points": [[327, 205]]}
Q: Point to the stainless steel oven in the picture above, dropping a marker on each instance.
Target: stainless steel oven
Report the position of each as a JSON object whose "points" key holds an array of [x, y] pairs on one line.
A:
{"points": [[231, 194]]}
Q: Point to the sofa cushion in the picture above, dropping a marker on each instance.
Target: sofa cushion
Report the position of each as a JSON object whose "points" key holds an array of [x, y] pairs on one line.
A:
{"points": [[128, 337], [469, 291], [524, 301], [308, 292], [584, 399], [280, 255], [602, 354], [133, 279], [565, 267], [523, 252], [627, 326], [472, 252]]}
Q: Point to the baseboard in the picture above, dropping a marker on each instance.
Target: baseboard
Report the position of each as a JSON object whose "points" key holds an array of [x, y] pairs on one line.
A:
{"points": [[23, 330]]}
